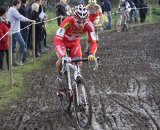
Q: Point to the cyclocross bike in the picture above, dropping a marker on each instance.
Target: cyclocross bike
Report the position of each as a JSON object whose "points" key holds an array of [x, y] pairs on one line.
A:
{"points": [[119, 22], [75, 90]]}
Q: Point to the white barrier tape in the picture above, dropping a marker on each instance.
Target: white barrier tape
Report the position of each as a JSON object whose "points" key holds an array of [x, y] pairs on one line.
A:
{"points": [[49, 20], [3, 36], [29, 26], [137, 9]]}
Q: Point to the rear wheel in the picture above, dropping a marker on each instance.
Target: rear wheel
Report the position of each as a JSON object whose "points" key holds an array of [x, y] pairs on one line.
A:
{"points": [[82, 104]]}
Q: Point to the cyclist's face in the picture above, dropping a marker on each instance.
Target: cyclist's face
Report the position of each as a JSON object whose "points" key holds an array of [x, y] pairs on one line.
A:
{"points": [[92, 3], [79, 23]]}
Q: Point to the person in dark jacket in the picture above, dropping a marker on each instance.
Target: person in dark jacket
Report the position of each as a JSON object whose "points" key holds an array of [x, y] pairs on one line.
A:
{"points": [[143, 10], [133, 12], [24, 31], [38, 28], [142, 4], [43, 17], [107, 9], [4, 43], [61, 11]]}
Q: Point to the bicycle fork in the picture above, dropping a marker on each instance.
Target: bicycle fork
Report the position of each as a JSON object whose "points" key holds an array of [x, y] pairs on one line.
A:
{"points": [[69, 87]]}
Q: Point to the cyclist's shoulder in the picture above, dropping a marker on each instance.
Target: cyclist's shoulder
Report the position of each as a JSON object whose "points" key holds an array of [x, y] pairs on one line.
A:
{"points": [[89, 26], [97, 6], [67, 22]]}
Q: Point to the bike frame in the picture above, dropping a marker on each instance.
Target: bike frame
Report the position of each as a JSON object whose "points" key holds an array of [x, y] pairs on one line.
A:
{"points": [[66, 66]]}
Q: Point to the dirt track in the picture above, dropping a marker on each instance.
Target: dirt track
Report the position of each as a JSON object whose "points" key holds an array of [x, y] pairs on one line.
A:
{"points": [[125, 90]]}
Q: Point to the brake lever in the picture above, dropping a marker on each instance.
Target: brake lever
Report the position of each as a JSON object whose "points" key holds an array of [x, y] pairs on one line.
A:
{"points": [[97, 63]]}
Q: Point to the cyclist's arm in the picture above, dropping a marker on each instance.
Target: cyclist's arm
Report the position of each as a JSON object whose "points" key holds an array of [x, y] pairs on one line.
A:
{"points": [[92, 37], [99, 14], [93, 44], [58, 44]]}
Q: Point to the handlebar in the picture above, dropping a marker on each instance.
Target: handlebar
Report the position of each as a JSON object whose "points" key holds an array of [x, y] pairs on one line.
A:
{"points": [[76, 60]]}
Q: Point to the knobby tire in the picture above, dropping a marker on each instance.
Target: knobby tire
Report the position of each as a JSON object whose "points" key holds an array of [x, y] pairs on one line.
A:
{"points": [[83, 112]]}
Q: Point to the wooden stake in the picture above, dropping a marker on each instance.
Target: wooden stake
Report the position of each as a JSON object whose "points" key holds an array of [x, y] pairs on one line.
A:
{"points": [[10, 61], [33, 42]]}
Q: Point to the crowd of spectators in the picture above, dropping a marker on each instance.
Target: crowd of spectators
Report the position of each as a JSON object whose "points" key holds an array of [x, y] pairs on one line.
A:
{"points": [[19, 19]]}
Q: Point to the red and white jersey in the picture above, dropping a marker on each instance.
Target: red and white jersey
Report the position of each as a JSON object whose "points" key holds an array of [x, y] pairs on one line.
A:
{"points": [[68, 33], [94, 11]]}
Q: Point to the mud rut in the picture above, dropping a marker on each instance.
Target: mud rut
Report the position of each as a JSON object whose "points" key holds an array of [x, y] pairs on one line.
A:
{"points": [[125, 90]]}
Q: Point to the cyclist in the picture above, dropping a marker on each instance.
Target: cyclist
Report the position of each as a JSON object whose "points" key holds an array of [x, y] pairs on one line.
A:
{"points": [[68, 36], [127, 8], [95, 13]]}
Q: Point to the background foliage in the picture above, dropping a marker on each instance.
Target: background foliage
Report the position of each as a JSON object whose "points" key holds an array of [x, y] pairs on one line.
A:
{"points": [[72, 2]]}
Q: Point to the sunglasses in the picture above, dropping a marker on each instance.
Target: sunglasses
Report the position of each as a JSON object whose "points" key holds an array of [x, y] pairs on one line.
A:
{"points": [[80, 22]]}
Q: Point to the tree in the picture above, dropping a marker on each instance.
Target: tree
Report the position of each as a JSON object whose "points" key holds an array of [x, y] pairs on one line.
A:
{"points": [[5, 2]]}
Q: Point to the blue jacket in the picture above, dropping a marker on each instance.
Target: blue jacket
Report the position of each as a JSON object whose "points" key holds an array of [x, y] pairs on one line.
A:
{"points": [[107, 5]]}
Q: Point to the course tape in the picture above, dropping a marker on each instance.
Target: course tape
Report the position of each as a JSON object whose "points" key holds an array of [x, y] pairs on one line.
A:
{"points": [[29, 26]]}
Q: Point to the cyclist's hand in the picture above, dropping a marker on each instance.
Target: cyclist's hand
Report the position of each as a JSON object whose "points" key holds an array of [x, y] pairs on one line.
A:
{"points": [[67, 59], [91, 58]]}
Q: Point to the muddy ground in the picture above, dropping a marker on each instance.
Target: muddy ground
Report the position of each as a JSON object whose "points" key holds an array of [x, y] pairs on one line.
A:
{"points": [[125, 90]]}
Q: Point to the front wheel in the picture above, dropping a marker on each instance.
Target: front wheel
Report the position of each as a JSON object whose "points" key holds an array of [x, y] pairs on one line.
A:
{"points": [[64, 96], [82, 103]]}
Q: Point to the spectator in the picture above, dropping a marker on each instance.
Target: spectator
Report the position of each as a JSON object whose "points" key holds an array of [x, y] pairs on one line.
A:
{"points": [[4, 43], [38, 28], [43, 18], [29, 43], [61, 11], [143, 9], [25, 31], [133, 12], [68, 9], [107, 9], [102, 6], [15, 17]]}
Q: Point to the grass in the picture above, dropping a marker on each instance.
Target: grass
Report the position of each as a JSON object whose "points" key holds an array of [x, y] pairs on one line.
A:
{"points": [[8, 95]]}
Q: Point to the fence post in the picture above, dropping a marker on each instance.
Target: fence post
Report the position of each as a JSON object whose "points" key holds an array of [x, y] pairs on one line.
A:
{"points": [[10, 60], [33, 41], [150, 13]]}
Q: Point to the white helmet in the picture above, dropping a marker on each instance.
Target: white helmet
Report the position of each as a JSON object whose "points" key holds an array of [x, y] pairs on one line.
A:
{"points": [[92, 2], [80, 12]]}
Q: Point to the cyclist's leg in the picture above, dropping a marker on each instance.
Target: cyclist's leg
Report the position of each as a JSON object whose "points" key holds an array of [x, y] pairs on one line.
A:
{"points": [[125, 17], [75, 49], [76, 52], [60, 49]]}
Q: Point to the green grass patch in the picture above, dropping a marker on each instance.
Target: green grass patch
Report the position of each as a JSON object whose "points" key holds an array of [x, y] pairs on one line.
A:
{"points": [[9, 94]]}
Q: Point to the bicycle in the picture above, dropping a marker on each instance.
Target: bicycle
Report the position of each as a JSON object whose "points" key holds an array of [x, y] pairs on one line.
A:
{"points": [[120, 20], [75, 90]]}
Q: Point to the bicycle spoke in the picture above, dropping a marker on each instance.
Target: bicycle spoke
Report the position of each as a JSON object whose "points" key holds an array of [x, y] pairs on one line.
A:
{"points": [[83, 107]]}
